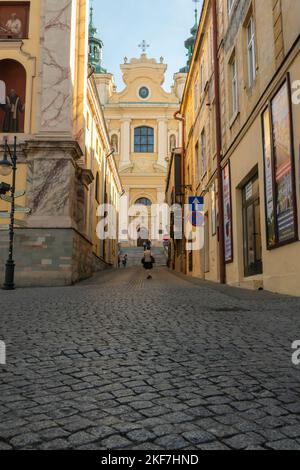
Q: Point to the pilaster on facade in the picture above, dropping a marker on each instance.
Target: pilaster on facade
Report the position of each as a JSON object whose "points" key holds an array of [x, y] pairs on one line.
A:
{"points": [[125, 161], [278, 32], [162, 141]]}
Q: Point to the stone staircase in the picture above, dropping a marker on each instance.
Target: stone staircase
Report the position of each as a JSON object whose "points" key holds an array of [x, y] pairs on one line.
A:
{"points": [[135, 254]]}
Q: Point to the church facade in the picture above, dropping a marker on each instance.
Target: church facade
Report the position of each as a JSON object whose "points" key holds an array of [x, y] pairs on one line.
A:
{"points": [[49, 100], [143, 132]]}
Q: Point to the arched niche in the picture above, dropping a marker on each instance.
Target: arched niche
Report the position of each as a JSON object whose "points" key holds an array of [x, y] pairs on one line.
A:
{"points": [[172, 143], [115, 143], [143, 201], [12, 77]]}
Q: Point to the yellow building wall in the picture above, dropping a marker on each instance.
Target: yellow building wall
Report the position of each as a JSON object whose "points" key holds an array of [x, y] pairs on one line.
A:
{"points": [[242, 135]]}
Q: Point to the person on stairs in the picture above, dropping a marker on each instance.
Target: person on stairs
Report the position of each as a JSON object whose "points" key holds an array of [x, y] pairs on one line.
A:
{"points": [[148, 261], [124, 260]]}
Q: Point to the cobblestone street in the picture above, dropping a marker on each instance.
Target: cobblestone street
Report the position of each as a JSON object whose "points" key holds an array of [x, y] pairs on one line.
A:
{"points": [[119, 362]]}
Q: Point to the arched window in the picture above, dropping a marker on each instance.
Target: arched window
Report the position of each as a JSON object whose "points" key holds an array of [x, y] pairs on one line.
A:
{"points": [[115, 143], [97, 189], [13, 85], [144, 139], [143, 201]]}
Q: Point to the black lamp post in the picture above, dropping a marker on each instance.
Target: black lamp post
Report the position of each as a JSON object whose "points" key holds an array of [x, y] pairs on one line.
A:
{"points": [[6, 168]]}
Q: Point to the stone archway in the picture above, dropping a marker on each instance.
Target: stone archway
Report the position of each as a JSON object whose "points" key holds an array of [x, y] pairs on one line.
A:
{"points": [[143, 232], [13, 77], [142, 236]]}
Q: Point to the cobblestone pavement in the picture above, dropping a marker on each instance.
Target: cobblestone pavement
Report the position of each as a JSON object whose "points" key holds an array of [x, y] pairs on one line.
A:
{"points": [[119, 362]]}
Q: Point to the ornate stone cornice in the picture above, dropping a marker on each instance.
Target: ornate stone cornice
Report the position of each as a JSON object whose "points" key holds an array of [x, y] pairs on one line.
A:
{"points": [[85, 176]]}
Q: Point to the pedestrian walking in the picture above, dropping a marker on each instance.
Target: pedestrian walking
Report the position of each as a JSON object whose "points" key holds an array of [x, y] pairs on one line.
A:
{"points": [[124, 261], [148, 261]]}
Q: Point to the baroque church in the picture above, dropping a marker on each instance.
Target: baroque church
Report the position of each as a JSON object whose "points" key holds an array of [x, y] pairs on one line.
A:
{"points": [[142, 127]]}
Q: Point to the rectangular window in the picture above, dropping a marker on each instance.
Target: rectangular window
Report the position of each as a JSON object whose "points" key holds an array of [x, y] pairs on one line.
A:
{"points": [[252, 228], [251, 52], [234, 86], [203, 153], [280, 194], [14, 20], [144, 140]]}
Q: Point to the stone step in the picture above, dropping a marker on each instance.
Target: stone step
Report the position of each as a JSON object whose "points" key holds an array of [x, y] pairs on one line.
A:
{"points": [[135, 255]]}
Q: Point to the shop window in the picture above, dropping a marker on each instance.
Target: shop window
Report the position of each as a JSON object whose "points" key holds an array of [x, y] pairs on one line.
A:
{"points": [[252, 228]]}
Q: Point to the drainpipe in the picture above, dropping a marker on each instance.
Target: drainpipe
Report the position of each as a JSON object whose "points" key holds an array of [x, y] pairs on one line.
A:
{"points": [[222, 268], [183, 252]]}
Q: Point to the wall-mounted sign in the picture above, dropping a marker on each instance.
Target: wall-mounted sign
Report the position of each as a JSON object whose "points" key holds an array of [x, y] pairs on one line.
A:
{"points": [[279, 170], [283, 165]]}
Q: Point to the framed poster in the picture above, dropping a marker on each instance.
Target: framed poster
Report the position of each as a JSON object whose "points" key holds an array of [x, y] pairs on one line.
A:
{"points": [[280, 191], [268, 170], [228, 241], [14, 20], [283, 165]]}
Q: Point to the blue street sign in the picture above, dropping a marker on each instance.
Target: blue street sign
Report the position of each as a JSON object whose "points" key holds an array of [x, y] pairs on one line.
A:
{"points": [[196, 203], [196, 218]]}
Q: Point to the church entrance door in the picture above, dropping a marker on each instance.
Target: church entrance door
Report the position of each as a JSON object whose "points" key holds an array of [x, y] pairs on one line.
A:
{"points": [[143, 236]]}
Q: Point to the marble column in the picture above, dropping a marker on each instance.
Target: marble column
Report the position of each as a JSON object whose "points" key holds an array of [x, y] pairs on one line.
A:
{"points": [[58, 30], [125, 142], [162, 141]]}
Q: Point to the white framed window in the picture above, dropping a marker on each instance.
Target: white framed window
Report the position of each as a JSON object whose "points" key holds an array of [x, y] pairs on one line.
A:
{"points": [[251, 52], [234, 86]]}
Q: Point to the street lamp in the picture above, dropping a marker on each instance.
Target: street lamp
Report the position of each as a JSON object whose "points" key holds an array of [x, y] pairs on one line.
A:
{"points": [[6, 168]]}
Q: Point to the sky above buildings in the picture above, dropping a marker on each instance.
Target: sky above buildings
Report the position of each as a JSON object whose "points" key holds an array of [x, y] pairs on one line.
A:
{"points": [[124, 24]]}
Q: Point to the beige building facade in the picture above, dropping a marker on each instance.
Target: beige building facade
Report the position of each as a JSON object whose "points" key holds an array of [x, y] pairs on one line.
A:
{"points": [[258, 46], [143, 131], [62, 143]]}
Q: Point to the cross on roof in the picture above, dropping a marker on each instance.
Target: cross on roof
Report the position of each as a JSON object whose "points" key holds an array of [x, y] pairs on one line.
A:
{"points": [[144, 46], [196, 7]]}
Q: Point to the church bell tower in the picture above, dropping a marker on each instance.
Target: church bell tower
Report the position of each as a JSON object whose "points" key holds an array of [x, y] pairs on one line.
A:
{"points": [[95, 47]]}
